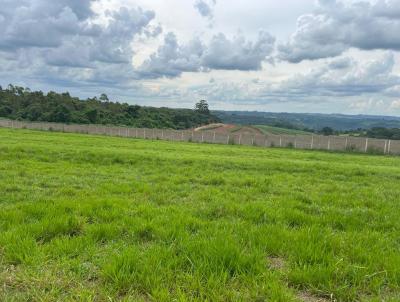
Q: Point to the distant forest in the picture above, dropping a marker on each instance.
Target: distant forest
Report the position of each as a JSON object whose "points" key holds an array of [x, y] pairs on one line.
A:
{"points": [[23, 104]]}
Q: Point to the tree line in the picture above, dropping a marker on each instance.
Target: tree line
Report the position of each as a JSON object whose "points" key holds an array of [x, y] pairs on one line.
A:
{"points": [[374, 132], [379, 132], [23, 104]]}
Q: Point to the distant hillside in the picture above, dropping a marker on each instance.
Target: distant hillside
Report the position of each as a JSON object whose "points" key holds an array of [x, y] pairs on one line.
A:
{"points": [[22, 104], [313, 121]]}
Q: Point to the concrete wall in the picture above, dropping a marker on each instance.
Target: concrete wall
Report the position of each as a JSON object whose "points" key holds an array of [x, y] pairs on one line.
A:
{"points": [[316, 142]]}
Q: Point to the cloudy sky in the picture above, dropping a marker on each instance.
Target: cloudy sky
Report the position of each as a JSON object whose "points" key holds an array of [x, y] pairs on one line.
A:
{"points": [[294, 56]]}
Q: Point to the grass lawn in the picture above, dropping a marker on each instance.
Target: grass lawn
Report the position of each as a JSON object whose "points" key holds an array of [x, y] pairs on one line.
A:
{"points": [[276, 130], [92, 218]]}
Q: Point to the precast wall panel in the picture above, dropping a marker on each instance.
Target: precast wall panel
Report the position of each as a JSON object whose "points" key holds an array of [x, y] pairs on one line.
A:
{"points": [[355, 144], [56, 127], [273, 140], [221, 138], [376, 145], [337, 143], [208, 137], [187, 136], [394, 147], [303, 141], [260, 140], [167, 135], [320, 142], [198, 136], [246, 139], [5, 123], [287, 141]]}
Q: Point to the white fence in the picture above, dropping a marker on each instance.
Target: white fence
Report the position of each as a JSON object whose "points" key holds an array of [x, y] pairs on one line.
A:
{"points": [[317, 142]]}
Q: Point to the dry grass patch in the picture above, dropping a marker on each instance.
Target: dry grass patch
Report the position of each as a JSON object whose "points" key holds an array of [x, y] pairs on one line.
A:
{"points": [[276, 263], [308, 297]]}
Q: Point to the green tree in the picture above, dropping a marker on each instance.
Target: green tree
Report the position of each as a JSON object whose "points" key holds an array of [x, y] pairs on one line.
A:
{"points": [[202, 107], [104, 97], [92, 115], [327, 131], [61, 114], [5, 110]]}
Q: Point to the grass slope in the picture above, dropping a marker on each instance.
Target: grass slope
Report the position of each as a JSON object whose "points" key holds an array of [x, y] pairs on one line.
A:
{"points": [[86, 218], [276, 130]]}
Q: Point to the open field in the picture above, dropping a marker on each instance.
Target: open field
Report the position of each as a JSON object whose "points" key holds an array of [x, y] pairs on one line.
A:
{"points": [[276, 130], [93, 218]]}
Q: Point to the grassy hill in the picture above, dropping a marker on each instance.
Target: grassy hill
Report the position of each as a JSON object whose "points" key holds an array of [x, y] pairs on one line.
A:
{"points": [[92, 218], [277, 130]]}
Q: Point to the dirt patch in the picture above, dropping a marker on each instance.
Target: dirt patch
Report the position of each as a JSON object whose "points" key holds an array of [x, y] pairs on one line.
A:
{"points": [[248, 130], [308, 297], [209, 127], [276, 263], [230, 129]]}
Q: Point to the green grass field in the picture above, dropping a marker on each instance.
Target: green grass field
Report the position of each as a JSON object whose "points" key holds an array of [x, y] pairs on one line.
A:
{"points": [[92, 218], [276, 130]]}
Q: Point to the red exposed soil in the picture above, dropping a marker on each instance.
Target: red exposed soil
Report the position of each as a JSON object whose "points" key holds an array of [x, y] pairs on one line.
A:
{"points": [[229, 128]]}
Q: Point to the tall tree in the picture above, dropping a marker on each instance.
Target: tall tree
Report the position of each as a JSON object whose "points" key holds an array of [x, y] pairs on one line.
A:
{"points": [[202, 107], [104, 97]]}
